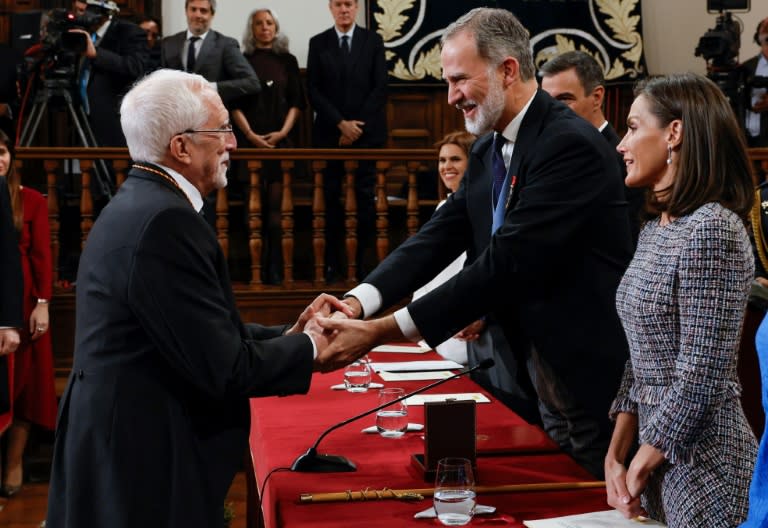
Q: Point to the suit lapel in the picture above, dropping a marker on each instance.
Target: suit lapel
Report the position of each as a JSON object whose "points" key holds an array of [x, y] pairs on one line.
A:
{"points": [[208, 44], [525, 143], [358, 42]]}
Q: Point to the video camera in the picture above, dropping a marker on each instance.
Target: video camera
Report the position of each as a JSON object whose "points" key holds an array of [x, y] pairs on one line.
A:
{"points": [[720, 45], [56, 36]]}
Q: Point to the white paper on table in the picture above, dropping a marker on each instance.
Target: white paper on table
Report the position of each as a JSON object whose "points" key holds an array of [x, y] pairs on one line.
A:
{"points": [[415, 376], [601, 519], [415, 366], [402, 349], [420, 399]]}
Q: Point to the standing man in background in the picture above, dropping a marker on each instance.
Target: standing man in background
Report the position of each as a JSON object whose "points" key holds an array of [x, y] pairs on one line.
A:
{"points": [[347, 87], [206, 52], [576, 79], [756, 115]]}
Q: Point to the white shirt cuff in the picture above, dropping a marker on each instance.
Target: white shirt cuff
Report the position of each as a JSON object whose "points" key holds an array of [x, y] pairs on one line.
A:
{"points": [[369, 297], [314, 346], [406, 325]]}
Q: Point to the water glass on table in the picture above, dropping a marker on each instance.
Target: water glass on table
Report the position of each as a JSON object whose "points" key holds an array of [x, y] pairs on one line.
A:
{"points": [[454, 498], [357, 375], [392, 420]]}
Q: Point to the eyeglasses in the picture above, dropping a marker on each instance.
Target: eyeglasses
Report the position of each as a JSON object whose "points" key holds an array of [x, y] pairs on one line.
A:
{"points": [[763, 40], [227, 129]]}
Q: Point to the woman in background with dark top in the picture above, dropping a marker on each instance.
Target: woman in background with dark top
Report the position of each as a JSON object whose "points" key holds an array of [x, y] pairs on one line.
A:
{"points": [[33, 394], [682, 302], [267, 119]]}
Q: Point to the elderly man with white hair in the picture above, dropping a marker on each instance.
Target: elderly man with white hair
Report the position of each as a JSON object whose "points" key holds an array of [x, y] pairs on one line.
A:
{"points": [[154, 421]]}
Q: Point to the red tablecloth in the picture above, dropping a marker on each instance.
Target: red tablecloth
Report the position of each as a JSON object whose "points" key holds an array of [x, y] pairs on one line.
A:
{"points": [[283, 428]]}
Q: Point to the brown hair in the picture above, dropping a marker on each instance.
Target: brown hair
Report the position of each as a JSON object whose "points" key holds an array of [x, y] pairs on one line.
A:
{"points": [[14, 185], [714, 165], [460, 137]]}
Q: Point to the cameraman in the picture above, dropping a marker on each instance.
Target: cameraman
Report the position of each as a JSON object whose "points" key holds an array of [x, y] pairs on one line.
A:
{"points": [[756, 68], [116, 55]]}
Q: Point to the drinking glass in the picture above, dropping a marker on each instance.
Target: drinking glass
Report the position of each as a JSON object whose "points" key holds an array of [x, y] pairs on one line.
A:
{"points": [[392, 421], [454, 498], [357, 376]]}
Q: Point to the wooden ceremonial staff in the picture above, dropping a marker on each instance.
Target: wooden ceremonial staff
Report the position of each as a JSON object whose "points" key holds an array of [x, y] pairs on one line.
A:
{"points": [[418, 494]]}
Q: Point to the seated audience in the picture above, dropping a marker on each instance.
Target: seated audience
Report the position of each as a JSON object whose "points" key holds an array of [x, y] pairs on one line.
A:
{"points": [[682, 302]]}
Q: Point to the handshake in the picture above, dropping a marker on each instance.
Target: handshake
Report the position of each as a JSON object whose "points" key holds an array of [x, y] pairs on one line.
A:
{"points": [[339, 336]]}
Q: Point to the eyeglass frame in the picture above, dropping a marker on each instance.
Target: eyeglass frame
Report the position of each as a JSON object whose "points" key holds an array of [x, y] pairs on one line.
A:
{"points": [[763, 40], [227, 129]]}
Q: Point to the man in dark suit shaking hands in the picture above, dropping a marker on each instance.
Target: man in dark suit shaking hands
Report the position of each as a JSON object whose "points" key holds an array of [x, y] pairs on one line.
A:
{"points": [[347, 84], [154, 421], [542, 207], [206, 52]]}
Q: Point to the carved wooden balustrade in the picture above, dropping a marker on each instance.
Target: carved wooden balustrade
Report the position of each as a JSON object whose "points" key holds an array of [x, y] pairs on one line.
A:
{"points": [[402, 165]]}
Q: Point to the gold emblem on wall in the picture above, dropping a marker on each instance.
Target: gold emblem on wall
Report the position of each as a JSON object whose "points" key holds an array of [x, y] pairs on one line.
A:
{"points": [[615, 30]]}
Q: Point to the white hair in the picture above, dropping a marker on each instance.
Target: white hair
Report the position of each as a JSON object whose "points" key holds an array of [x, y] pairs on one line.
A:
{"points": [[161, 105], [279, 45]]}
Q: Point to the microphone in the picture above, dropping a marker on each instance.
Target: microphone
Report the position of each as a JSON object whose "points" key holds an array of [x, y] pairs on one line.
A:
{"points": [[312, 462]]}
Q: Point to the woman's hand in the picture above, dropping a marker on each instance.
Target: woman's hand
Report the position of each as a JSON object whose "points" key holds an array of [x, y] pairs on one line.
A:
{"points": [[273, 138], [38, 321], [618, 495], [258, 141]]}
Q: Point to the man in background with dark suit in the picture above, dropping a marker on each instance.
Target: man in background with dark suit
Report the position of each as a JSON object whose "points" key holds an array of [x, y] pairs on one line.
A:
{"points": [[347, 87], [116, 55], [154, 422], [756, 118], [206, 52], [547, 185], [576, 79]]}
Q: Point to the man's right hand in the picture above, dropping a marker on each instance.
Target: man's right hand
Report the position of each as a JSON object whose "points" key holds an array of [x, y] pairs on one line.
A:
{"points": [[9, 340], [351, 130]]}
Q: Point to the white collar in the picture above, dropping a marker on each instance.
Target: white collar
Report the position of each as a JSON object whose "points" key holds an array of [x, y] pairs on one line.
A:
{"points": [[103, 28], [187, 188], [201, 37], [511, 130], [349, 33], [602, 127]]}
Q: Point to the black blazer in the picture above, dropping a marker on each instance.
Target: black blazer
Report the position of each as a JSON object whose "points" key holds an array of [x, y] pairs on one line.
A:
{"points": [[154, 421], [219, 60], [550, 273], [121, 58], [11, 281], [749, 67], [347, 89]]}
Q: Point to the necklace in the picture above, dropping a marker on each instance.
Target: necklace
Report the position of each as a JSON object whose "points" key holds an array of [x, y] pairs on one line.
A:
{"points": [[165, 177]]}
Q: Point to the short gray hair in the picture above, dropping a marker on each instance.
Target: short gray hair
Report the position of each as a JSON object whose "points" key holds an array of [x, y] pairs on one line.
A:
{"points": [[498, 34], [280, 44], [211, 2], [161, 105]]}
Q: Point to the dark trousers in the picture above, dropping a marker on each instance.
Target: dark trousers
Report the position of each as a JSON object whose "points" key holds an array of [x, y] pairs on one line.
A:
{"points": [[565, 421], [335, 229]]}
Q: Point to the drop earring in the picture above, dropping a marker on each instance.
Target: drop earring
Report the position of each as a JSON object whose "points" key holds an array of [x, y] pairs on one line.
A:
{"points": [[669, 154]]}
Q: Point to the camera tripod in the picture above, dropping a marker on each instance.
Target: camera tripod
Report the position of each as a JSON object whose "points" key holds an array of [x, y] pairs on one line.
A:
{"points": [[53, 91]]}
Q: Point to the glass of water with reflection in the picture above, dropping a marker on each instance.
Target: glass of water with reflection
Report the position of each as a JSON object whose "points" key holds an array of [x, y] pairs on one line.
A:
{"points": [[357, 375], [392, 421], [454, 498]]}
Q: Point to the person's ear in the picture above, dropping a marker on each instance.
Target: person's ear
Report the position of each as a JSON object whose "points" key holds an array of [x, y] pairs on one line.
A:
{"points": [[510, 70], [675, 133], [598, 94], [179, 149]]}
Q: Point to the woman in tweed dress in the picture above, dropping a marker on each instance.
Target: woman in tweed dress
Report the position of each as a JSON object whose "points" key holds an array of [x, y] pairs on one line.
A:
{"points": [[682, 302]]}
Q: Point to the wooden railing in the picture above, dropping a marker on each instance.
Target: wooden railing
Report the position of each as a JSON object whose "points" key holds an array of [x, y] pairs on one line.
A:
{"points": [[392, 165]]}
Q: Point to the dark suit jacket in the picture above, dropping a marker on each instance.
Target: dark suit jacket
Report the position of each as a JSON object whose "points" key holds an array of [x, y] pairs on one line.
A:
{"points": [[347, 89], [11, 281], [121, 58], [154, 421], [635, 196], [219, 60], [749, 68], [9, 60], [549, 274]]}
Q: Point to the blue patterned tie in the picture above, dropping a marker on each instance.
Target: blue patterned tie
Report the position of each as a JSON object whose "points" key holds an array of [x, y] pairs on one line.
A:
{"points": [[499, 170]]}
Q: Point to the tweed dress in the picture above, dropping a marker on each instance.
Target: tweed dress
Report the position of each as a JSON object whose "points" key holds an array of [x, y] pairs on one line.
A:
{"points": [[681, 302]]}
